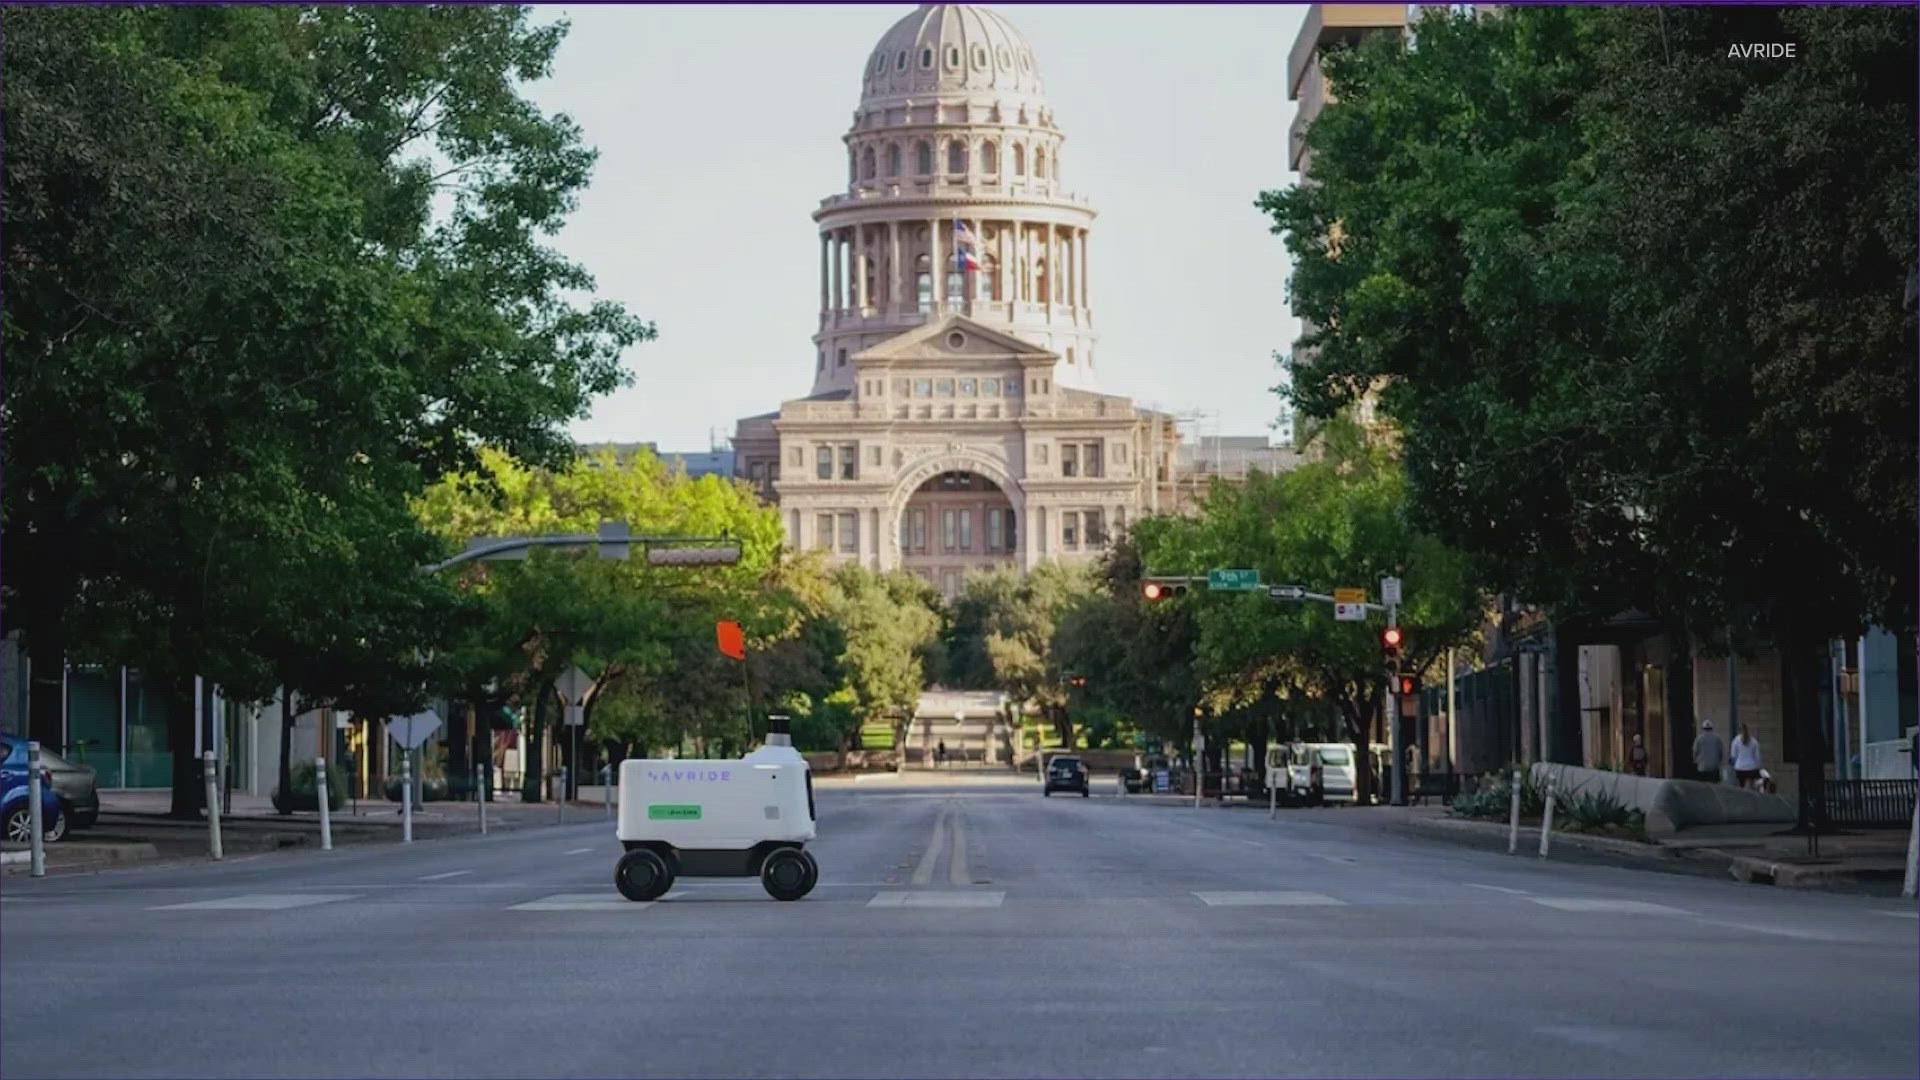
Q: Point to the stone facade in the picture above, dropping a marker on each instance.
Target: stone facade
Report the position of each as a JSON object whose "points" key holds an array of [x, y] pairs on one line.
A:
{"points": [[953, 422]]}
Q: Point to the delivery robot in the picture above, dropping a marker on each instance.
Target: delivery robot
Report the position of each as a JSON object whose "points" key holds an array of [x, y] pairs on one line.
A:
{"points": [[743, 817]]}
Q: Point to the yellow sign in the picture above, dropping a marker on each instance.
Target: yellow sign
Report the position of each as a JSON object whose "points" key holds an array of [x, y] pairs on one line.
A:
{"points": [[1349, 596]]}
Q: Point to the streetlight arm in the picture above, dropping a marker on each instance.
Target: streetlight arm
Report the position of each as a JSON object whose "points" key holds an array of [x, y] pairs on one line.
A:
{"points": [[507, 546]]}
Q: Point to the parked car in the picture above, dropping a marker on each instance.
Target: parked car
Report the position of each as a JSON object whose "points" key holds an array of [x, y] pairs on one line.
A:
{"points": [[15, 790], [78, 787], [1068, 773], [1312, 772]]}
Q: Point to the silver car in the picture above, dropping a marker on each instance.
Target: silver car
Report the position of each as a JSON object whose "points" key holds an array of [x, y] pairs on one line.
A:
{"points": [[78, 788]]}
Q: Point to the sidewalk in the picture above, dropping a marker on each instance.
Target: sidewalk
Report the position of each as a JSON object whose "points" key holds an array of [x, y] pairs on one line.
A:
{"points": [[1859, 859], [134, 827]]}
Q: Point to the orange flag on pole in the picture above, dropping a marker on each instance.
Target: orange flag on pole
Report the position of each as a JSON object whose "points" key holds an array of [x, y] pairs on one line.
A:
{"points": [[732, 642]]}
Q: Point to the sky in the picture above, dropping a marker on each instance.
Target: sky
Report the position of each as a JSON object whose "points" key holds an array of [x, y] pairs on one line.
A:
{"points": [[719, 131]]}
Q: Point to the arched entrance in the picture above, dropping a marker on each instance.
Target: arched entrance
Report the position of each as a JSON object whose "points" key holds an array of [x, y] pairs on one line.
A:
{"points": [[954, 521]]}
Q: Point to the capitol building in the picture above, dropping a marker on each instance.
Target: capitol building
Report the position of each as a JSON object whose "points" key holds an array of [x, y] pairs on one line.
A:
{"points": [[955, 419]]}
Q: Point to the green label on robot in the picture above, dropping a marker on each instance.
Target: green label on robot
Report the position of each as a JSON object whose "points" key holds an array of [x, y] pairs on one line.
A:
{"points": [[673, 813]]}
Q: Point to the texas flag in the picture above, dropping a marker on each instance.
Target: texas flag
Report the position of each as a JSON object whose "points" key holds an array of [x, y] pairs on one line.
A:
{"points": [[963, 245]]}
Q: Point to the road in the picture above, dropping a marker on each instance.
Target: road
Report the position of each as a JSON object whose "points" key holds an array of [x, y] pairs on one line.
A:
{"points": [[975, 929]]}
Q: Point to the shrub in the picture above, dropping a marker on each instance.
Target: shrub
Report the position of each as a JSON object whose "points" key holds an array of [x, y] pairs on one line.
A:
{"points": [[304, 794]]}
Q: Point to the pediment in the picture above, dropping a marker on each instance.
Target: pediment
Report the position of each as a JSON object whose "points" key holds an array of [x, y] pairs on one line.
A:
{"points": [[954, 337]]}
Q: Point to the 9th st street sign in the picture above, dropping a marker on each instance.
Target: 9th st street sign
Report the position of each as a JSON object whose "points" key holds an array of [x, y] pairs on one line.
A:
{"points": [[1233, 580]]}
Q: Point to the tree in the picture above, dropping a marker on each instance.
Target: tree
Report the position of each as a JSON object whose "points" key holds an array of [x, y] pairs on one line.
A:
{"points": [[889, 620], [1650, 295], [229, 308]]}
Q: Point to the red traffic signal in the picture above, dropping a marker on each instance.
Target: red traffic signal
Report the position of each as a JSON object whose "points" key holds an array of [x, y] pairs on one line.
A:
{"points": [[1390, 641], [1156, 591], [1409, 686]]}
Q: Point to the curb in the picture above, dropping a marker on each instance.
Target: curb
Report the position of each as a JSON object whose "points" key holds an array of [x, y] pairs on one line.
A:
{"points": [[1760, 871], [76, 857], [1532, 836]]}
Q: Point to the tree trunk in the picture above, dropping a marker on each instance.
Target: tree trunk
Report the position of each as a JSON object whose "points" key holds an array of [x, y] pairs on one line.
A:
{"points": [[46, 707], [285, 805], [1363, 751], [532, 759], [189, 788]]}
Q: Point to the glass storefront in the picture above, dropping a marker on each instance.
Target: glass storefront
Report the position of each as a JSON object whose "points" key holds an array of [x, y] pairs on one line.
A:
{"points": [[93, 721], [149, 706]]}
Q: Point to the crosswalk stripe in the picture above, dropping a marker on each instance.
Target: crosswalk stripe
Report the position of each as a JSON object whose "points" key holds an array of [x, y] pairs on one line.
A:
{"points": [[1902, 914], [582, 902], [258, 902], [1266, 899], [1575, 903], [580, 851], [937, 899], [445, 876], [1500, 889]]}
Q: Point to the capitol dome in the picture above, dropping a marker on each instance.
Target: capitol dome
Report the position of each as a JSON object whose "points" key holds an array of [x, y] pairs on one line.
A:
{"points": [[947, 48]]}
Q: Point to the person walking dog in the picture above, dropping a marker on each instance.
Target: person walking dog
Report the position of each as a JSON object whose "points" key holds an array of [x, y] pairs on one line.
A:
{"points": [[1746, 757]]}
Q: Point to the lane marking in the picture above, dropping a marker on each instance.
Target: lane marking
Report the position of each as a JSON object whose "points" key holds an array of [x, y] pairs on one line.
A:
{"points": [[1500, 889], [580, 851], [1637, 907], [937, 899], [582, 902], [1901, 914], [1267, 899], [923, 874], [957, 873], [1786, 931], [445, 876], [257, 902]]}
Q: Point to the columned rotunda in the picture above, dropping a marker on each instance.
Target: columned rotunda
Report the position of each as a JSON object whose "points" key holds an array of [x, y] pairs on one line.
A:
{"points": [[954, 421]]}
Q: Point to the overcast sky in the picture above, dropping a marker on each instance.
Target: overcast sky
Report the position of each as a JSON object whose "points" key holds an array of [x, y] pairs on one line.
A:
{"points": [[719, 130]]}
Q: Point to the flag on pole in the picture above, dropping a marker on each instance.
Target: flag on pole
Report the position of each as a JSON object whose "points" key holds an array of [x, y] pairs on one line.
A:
{"points": [[963, 245]]}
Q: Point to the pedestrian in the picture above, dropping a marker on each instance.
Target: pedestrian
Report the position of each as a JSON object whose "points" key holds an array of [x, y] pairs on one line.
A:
{"points": [[940, 753], [1708, 753], [1637, 755], [1746, 757]]}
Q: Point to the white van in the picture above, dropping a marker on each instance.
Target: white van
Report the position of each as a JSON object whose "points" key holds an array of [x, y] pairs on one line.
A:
{"points": [[1312, 771]]}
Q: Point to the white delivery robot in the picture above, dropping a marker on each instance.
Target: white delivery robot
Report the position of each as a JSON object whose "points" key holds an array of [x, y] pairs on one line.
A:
{"points": [[737, 818]]}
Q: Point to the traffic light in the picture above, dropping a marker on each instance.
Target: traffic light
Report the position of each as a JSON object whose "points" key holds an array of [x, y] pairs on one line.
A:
{"points": [[1409, 685], [1390, 641], [1078, 680], [1156, 591]]}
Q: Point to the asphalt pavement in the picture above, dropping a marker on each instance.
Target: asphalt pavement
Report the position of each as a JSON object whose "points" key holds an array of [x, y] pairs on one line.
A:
{"points": [[962, 927]]}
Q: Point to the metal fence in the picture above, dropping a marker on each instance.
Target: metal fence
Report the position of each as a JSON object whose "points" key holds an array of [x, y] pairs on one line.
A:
{"points": [[1861, 803]]}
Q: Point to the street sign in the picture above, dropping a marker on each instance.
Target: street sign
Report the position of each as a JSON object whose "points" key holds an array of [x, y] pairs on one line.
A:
{"points": [[1349, 596], [576, 715], [1233, 580], [1390, 590], [411, 731], [573, 686], [1287, 592], [1350, 612]]}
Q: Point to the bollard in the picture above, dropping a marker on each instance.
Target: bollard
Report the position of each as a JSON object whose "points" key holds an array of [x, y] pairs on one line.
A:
{"points": [[212, 772], [406, 796], [1273, 801], [1546, 823], [37, 843], [323, 794], [560, 802], [480, 794], [606, 789], [1913, 854], [1513, 826]]}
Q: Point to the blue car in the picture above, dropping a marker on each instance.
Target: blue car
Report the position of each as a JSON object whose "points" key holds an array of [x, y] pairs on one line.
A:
{"points": [[15, 790]]}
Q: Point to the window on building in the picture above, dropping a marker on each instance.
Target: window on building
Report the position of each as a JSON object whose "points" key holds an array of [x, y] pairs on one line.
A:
{"points": [[923, 158], [1039, 163], [823, 532], [926, 58], [1012, 540], [1093, 522], [1092, 459], [902, 387], [953, 56], [956, 287], [949, 530], [1070, 530], [1042, 282], [956, 156], [1010, 387], [822, 365], [944, 387], [756, 471], [989, 157], [920, 531], [950, 583], [989, 275], [968, 388], [1069, 459], [1069, 356], [993, 530], [893, 160], [866, 164], [840, 358], [849, 532], [849, 461], [966, 530], [823, 462], [1019, 160], [989, 387], [923, 388]]}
